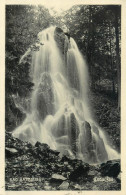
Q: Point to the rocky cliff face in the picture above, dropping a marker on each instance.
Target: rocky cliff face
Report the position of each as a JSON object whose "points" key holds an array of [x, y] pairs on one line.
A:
{"points": [[62, 42], [61, 39], [44, 97]]}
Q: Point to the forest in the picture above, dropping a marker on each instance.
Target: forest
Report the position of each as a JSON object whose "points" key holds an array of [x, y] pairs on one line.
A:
{"points": [[97, 31], [91, 159]]}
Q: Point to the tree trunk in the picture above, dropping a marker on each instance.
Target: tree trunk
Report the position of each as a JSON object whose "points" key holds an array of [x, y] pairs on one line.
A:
{"points": [[90, 48], [118, 56], [111, 61]]}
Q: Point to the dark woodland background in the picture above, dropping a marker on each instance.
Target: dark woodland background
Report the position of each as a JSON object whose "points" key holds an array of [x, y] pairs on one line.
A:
{"points": [[97, 31]]}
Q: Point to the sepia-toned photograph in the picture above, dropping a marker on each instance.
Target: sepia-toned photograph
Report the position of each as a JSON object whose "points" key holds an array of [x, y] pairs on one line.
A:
{"points": [[62, 97]]}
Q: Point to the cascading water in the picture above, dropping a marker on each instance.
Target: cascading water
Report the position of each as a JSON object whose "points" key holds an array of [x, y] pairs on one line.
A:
{"points": [[60, 115]]}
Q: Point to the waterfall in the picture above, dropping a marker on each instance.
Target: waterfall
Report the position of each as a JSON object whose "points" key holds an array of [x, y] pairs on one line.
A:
{"points": [[60, 115]]}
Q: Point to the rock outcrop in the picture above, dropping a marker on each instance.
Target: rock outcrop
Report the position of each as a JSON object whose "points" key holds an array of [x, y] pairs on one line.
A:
{"points": [[61, 39], [38, 167], [44, 100], [111, 168]]}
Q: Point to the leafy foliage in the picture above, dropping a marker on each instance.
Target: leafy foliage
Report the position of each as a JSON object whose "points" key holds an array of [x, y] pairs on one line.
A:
{"points": [[23, 23], [97, 31]]}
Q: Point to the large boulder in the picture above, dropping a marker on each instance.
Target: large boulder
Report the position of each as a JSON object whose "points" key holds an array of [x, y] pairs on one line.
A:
{"points": [[57, 178], [72, 72], [44, 102], [58, 128], [111, 168], [100, 146], [15, 146], [10, 152], [93, 144], [42, 147], [80, 171], [61, 39], [89, 147], [74, 133], [44, 152], [67, 134], [63, 42], [64, 186]]}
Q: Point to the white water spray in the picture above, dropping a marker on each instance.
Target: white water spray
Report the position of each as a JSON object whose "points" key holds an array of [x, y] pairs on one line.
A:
{"points": [[60, 115]]}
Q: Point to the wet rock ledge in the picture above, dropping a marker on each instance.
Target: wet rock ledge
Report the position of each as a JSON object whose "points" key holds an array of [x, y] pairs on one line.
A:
{"points": [[38, 167]]}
